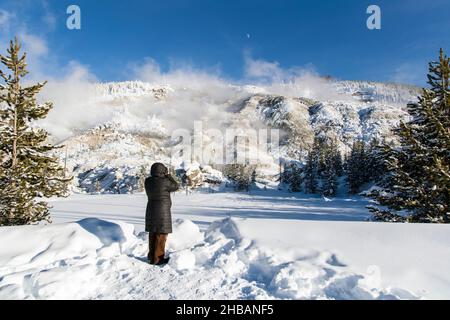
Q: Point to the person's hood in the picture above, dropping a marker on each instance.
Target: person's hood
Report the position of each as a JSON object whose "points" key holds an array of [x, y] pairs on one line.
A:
{"points": [[158, 170]]}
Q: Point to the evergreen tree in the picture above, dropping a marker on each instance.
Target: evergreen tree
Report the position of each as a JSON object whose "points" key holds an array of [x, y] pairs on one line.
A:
{"points": [[363, 165], [328, 162], [418, 176], [28, 171], [338, 165], [374, 166], [330, 182], [311, 171], [357, 167], [320, 147], [240, 175], [294, 177]]}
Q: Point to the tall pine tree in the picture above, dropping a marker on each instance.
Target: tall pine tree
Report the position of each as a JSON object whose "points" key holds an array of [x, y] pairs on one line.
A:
{"points": [[28, 171], [356, 167], [311, 175], [329, 178], [375, 164], [418, 176], [332, 168]]}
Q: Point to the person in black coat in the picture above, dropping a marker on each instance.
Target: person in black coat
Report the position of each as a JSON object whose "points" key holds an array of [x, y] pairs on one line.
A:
{"points": [[158, 218]]}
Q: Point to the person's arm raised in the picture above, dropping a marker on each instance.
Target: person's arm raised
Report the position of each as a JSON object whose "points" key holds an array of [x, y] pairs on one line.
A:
{"points": [[173, 185]]}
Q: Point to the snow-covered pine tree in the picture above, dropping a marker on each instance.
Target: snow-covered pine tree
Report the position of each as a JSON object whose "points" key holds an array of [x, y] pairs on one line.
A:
{"points": [[28, 171], [320, 146], [240, 175], [330, 182], [356, 167], [338, 165], [418, 177], [329, 174], [310, 178], [295, 177], [375, 164]]}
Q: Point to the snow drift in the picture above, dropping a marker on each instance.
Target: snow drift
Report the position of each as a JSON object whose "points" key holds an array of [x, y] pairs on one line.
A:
{"points": [[233, 259]]}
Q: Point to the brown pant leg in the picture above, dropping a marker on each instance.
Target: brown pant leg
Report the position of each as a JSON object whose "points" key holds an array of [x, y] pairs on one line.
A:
{"points": [[160, 246]]}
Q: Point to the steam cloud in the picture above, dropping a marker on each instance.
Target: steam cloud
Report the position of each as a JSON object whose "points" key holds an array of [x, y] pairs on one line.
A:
{"points": [[195, 94]]}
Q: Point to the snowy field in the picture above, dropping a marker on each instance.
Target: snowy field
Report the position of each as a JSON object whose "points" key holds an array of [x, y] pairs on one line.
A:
{"points": [[225, 246], [203, 208]]}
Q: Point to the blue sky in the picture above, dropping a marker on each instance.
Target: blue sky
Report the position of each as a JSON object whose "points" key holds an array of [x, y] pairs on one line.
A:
{"points": [[218, 36]]}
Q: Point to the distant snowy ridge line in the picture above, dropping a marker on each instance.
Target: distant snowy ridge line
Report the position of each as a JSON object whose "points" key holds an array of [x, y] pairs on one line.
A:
{"points": [[97, 103], [360, 90], [100, 259]]}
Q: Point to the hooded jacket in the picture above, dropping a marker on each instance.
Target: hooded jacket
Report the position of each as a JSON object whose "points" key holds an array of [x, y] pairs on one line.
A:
{"points": [[158, 218]]}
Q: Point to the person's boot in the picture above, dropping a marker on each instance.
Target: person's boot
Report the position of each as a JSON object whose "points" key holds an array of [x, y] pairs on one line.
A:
{"points": [[163, 261]]}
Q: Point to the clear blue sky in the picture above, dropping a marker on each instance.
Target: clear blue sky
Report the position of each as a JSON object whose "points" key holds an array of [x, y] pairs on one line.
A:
{"points": [[331, 35]]}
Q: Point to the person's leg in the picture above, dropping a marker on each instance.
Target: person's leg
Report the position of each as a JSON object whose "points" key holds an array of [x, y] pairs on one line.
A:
{"points": [[151, 247], [160, 247]]}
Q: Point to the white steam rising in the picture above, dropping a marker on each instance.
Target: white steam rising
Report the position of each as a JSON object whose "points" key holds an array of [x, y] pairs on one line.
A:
{"points": [[192, 94]]}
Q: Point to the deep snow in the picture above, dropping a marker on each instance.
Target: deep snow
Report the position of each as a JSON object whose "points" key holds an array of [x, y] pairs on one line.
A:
{"points": [[258, 246]]}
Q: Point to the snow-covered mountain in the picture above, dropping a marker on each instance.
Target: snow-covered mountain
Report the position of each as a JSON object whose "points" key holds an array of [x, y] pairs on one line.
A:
{"points": [[138, 121]]}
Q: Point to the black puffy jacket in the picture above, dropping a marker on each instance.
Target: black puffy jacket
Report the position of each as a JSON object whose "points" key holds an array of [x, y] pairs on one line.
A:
{"points": [[158, 218]]}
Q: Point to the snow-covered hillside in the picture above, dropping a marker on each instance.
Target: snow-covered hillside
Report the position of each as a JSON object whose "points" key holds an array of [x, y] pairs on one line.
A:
{"points": [[129, 125], [224, 246]]}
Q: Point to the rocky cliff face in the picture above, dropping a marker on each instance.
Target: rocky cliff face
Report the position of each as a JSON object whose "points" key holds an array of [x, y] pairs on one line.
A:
{"points": [[142, 118]]}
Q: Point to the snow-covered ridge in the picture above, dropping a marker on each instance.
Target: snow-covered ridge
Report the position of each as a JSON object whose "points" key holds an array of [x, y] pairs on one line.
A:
{"points": [[366, 91], [136, 120], [131, 89]]}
